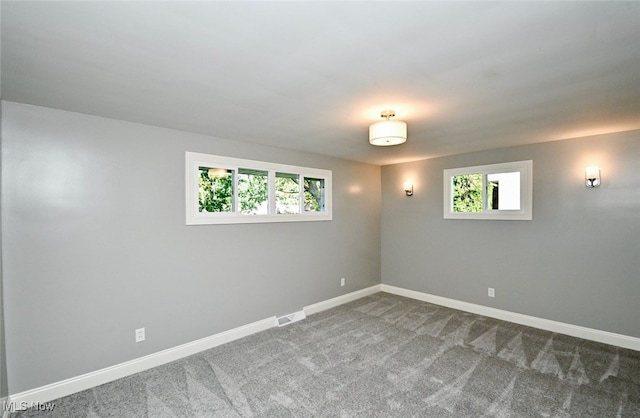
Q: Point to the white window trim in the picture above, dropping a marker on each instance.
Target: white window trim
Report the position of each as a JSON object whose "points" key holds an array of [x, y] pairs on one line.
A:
{"points": [[525, 168], [194, 160]]}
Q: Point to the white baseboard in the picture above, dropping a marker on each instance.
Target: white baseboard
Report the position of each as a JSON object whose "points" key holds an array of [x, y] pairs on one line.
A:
{"points": [[86, 381], [340, 300], [619, 340], [67, 387]]}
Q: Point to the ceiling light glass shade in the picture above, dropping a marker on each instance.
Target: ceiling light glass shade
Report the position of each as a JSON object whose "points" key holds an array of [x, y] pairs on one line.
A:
{"points": [[387, 132]]}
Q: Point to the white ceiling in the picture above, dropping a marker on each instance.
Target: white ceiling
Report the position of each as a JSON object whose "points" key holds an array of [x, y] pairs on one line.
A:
{"points": [[312, 76]]}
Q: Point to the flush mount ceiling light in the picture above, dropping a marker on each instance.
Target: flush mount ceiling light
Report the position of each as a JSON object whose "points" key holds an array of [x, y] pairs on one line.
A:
{"points": [[387, 132]]}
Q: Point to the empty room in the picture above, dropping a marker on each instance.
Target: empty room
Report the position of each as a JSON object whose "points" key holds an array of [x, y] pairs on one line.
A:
{"points": [[320, 209]]}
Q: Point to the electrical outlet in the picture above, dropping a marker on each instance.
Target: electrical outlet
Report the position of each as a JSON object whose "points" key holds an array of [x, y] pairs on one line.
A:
{"points": [[492, 292], [343, 281], [139, 335]]}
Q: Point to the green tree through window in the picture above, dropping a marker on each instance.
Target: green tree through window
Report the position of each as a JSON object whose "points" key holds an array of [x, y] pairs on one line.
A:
{"points": [[226, 190], [287, 193], [313, 194], [215, 190], [467, 193], [253, 191]]}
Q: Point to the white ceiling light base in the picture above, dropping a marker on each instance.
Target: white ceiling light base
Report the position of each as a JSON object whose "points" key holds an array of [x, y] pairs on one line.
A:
{"points": [[388, 132]]}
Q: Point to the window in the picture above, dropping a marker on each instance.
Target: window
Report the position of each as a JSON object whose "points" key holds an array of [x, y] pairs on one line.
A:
{"points": [[253, 191], [287, 193], [231, 190], [496, 191], [313, 195], [215, 189]]}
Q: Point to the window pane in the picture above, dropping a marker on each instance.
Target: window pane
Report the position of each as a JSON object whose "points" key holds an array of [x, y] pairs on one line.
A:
{"points": [[503, 191], [287, 193], [467, 193], [215, 190], [313, 195], [253, 191]]}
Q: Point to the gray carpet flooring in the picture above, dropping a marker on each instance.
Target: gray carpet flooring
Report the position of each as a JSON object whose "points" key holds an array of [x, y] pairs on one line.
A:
{"points": [[380, 356]]}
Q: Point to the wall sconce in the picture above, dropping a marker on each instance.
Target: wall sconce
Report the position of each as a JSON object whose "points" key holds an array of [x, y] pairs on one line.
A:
{"points": [[408, 188], [592, 176]]}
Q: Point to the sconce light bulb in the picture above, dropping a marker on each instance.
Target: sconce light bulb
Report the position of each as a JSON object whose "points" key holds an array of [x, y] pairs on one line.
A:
{"points": [[408, 188], [592, 176]]}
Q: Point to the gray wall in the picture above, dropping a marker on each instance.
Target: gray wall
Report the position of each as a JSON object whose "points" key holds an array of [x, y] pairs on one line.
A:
{"points": [[577, 262], [4, 391], [95, 244]]}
